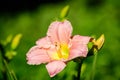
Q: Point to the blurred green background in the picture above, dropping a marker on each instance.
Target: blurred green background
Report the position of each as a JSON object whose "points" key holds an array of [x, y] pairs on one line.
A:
{"points": [[88, 17]]}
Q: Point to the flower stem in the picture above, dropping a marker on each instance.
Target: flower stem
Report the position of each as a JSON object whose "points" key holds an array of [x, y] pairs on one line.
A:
{"points": [[79, 70], [4, 72], [6, 69], [93, 67]]}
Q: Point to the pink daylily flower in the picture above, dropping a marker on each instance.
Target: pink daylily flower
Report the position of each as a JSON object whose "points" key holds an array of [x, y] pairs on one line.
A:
{"points": [[58, 47]]}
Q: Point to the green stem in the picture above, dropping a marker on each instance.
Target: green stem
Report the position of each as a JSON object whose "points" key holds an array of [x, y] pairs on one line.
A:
{"points": [[79, 70], [4, 72], [93, 67], [13, 74], [5, 66]]}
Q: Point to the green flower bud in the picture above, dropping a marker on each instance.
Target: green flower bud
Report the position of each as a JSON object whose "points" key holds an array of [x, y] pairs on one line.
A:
{"points": [[16, 41], [64, 12], [95, 45], [10, 54], [9, 38], [100, 41]]}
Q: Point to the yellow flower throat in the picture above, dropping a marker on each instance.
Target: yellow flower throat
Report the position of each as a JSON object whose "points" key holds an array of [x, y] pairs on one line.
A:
{"points": [[62, 52]]}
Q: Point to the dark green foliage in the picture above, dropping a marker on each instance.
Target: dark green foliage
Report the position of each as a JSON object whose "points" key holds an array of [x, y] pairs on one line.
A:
{"points": [[86, 18]]}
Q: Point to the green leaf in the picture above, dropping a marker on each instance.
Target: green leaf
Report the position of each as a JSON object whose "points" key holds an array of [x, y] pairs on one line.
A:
{"points": [[90, 45]]}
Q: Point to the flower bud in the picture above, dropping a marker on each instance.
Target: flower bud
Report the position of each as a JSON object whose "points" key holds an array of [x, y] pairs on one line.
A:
{"points": [[95, 45], [64, 12], [99, 42], [16, 41], [10, 54], [9, 38]]}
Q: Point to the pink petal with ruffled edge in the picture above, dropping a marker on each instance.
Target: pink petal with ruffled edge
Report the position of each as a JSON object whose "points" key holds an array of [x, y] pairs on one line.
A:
{"points": [[60, 31], [44, 42], [79, 46], [37, 56], [55, 67], [52, 52], [81, 39], [64, 31], [52, 31]]}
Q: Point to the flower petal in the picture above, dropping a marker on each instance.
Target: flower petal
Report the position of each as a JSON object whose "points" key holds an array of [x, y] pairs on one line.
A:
{"points": [[78, 50], [64, 31], [52, 52], [37, 56], [79, 47], [81, 39], [60, 31], [44, 42], [55, 67], [52, 31]]}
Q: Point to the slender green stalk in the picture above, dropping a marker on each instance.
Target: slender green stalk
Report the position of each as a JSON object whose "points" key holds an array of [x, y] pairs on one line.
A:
{"points": [[4, 72], [79, 70], [93, 67], [13, 74], [6, 67]]}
